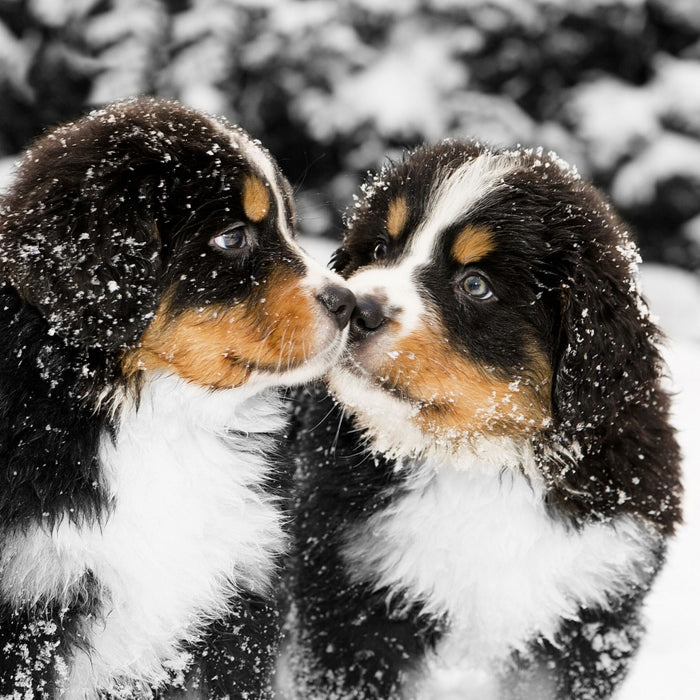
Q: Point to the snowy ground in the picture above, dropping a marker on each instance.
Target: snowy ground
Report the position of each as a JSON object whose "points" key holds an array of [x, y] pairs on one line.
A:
{"points": [[668, 665]]}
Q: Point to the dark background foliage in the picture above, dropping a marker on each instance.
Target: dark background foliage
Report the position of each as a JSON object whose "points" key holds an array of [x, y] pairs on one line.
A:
{"points": [[333, 87]]}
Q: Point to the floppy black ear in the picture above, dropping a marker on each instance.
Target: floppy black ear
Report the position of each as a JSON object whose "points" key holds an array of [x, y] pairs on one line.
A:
{"points": [[607, 359], [79, 277], [78, 241], [617, 450]]}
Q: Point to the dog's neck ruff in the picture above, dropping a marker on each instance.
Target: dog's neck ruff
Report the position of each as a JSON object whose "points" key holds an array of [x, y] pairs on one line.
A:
{"points": [[190, 523], [475, 546]]}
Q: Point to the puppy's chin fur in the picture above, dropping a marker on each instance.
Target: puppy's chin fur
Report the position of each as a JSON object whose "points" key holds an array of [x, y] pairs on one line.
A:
{"points": [[388, 421], [312, 369], [389, 426]]}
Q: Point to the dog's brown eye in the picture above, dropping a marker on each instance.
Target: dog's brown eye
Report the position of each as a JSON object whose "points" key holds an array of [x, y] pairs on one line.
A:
{"points": [[235, 238], [380, 250], [476, 286]]}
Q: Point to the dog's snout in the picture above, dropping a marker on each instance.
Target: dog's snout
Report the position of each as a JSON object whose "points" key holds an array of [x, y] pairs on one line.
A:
{"points": [[367, 317], [339, 302]]}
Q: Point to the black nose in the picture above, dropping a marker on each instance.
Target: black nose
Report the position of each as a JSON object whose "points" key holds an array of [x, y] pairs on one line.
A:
{"points": [[340, 302], [367, 318]]}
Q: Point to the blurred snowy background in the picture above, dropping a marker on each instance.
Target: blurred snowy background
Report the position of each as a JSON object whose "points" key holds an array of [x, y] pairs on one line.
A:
{"points": [[334, 86]]}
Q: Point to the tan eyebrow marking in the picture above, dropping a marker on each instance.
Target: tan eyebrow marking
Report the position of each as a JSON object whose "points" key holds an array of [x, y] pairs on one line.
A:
{"points": [[472, 244], [396, 217], [256, 198]]}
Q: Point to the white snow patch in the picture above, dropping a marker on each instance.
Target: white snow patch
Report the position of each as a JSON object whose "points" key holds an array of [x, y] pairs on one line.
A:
{"points": [[669, 155], [612, 133], [667, 665], [399, 90], [7, 170]]}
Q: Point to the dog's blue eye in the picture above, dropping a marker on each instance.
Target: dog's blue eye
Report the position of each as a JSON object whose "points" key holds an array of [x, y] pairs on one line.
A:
{"points": [[380, 250], [235, 238], [477, 287]]}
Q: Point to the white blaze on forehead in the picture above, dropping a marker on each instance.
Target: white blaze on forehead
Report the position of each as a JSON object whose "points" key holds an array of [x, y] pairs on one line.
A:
{"points": [[452, 199]]}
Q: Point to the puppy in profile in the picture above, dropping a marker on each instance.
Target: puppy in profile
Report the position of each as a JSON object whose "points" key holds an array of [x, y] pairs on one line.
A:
{"points": [[152, 297], [486, 499]]}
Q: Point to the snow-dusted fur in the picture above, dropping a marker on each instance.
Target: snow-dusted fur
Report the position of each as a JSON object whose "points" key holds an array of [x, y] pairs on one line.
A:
{"points": [[486, 492], [519, 571], [517, 575], [191, 522], [153, 299]]}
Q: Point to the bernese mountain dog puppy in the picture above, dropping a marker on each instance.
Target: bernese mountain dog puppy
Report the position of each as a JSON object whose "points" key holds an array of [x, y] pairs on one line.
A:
{"points": [[485, 499], [153, 296]]}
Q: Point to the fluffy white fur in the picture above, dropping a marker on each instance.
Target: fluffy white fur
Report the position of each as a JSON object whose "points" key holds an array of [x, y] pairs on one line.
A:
{"points": [[389, 421], [189, 524], [475, 543]]}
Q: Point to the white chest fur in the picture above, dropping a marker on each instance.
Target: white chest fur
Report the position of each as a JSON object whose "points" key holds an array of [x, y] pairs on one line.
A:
{"points": [[478, 547], [190, 524]]}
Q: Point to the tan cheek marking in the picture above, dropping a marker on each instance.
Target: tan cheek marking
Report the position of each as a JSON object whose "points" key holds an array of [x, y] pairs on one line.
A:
{"points": [[456, 397], [472, 244], [221, 346], [256, 199], [397, 216]]}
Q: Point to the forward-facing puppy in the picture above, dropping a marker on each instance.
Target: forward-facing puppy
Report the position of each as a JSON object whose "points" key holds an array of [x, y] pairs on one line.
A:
{"points": [[152, 295], [483, 513]]}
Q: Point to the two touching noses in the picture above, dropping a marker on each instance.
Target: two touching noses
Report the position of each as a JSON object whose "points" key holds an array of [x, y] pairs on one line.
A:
{"points": [[364, 314]]}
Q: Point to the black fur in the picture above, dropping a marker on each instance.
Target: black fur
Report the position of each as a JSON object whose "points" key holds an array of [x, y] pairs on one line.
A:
{"points": [[353, 641], [562, 273], [48, 434]]}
